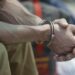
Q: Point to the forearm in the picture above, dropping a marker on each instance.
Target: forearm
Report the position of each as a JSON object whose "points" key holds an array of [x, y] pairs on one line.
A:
{"points": [[29, 17], [23, 33], [33, 19]]}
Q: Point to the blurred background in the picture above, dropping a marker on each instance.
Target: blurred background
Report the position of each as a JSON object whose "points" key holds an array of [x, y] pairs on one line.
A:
{"points": [[51, 10]]}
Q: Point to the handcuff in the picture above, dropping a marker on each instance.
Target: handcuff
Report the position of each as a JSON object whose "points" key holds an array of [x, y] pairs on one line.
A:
{"points": [[51, 35]]}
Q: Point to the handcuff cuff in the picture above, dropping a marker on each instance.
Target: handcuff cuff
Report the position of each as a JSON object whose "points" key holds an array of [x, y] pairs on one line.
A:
{"points": [[51, 34]]}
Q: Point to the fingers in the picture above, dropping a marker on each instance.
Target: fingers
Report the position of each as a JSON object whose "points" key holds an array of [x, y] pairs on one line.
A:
{"points": [[72, 28], [59, 58], [73, 52], [62, 22], [66, 57], [69, 56]]}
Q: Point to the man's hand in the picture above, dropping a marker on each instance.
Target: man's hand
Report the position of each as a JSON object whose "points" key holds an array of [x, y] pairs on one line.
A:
{"points": [[64, 41]]}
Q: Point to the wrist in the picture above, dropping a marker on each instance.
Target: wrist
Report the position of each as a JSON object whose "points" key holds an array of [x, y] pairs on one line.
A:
{"points": [[46, 32], [49, 32]]}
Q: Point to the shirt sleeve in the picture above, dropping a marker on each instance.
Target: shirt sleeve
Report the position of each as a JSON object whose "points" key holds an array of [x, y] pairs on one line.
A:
{"points": [[21, 33]]}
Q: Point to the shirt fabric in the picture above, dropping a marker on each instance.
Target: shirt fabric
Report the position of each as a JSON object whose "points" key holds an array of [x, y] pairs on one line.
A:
{"points": [[20, 55]]}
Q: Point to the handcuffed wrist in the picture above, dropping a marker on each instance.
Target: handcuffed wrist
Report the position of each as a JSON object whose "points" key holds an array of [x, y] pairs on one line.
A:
{"points": [[51, 34]]}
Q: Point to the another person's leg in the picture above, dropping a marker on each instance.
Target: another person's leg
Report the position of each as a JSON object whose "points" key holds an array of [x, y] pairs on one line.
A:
{"points": [[22, 60], [4, 63]]}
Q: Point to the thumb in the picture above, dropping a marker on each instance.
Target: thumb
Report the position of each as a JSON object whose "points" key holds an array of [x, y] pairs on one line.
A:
{"points": [[62, 22]]}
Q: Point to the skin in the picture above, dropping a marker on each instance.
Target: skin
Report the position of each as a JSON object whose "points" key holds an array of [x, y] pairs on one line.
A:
{"points": [[68, 51], [63, 41]]}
